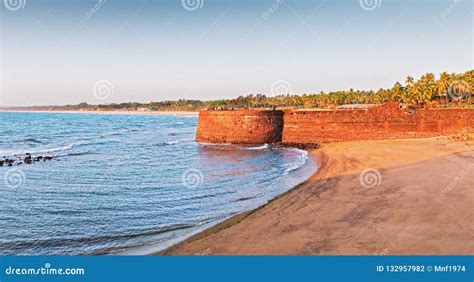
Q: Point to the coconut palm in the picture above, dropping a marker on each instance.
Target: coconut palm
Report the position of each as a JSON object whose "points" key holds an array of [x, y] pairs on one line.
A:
{"points": [[443, 85]]}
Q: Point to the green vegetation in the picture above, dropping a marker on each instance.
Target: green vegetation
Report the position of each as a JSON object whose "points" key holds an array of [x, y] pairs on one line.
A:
{"points": [[449, 90]]}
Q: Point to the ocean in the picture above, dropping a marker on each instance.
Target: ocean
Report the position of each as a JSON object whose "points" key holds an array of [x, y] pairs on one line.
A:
{"points": [[126, 184]]}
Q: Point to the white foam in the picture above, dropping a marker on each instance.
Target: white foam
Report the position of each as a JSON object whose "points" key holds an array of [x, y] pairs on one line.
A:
{"points": [[263, 147], [214, 144], [39, 150], [301, 161]]}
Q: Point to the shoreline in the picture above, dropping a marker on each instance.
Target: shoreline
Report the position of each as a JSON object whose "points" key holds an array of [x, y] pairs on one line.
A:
{"points": [[302, 174], [226, 223], [330, 213]]}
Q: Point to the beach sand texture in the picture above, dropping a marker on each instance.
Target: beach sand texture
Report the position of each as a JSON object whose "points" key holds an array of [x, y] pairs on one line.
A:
{"points": [[423, 204]]}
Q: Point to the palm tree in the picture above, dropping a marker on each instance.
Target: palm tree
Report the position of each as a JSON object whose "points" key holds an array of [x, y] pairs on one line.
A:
{"points": [[411, 91], [426, 88], [397, 92], [443, 85]]}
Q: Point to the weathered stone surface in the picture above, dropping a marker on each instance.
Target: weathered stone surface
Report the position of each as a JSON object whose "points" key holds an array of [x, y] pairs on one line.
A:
{"points": [[240, 126], [308, 127], [316, 127]]}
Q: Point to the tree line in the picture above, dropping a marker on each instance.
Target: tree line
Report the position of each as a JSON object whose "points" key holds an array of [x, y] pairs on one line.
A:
{"points": [[449, 89]]}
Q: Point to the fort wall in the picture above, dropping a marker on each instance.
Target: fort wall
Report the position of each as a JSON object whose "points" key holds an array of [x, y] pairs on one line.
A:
{"points": [[323, 126], [240, 126]]}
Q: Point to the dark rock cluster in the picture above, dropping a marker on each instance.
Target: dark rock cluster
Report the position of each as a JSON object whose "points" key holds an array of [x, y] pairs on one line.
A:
{"points": [[27, 159]]}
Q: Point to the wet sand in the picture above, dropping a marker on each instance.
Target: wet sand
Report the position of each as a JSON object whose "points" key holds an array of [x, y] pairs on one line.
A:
{"points": [[422, 203]]}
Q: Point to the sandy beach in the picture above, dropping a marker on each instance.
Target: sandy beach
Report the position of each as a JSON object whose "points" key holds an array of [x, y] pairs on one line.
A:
{"points": [[420, 204]]}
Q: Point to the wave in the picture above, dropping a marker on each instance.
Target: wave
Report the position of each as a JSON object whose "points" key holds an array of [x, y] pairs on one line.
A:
{"points": [[263, 147], [214, 144], [58, 148], [174, 142], [301, 161], [39, 150], [29, 140], [80, 153], [115, 133], [89, 240]]}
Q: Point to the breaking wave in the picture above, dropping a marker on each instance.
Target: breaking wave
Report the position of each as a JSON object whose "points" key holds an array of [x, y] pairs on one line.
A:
{"points": [[38, 150], [29, 140], [263, 147], [300, 161]]}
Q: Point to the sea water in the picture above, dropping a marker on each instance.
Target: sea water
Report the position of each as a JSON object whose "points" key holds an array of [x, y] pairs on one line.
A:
{"points": [[121, 183]]}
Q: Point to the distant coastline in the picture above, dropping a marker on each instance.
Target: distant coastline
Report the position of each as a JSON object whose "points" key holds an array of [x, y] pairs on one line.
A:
{"points": [[115, 112], [428, 91]]}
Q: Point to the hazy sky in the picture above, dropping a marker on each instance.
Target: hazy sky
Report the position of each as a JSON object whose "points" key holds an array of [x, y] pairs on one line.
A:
{"points": [[59, 52]]}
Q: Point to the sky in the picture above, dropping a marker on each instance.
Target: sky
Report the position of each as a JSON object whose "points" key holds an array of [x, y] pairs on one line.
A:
{"points": [[57, 52]]}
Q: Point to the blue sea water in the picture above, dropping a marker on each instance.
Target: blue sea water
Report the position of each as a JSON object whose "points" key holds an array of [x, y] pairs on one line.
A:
{"points": [[126, 183]]}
